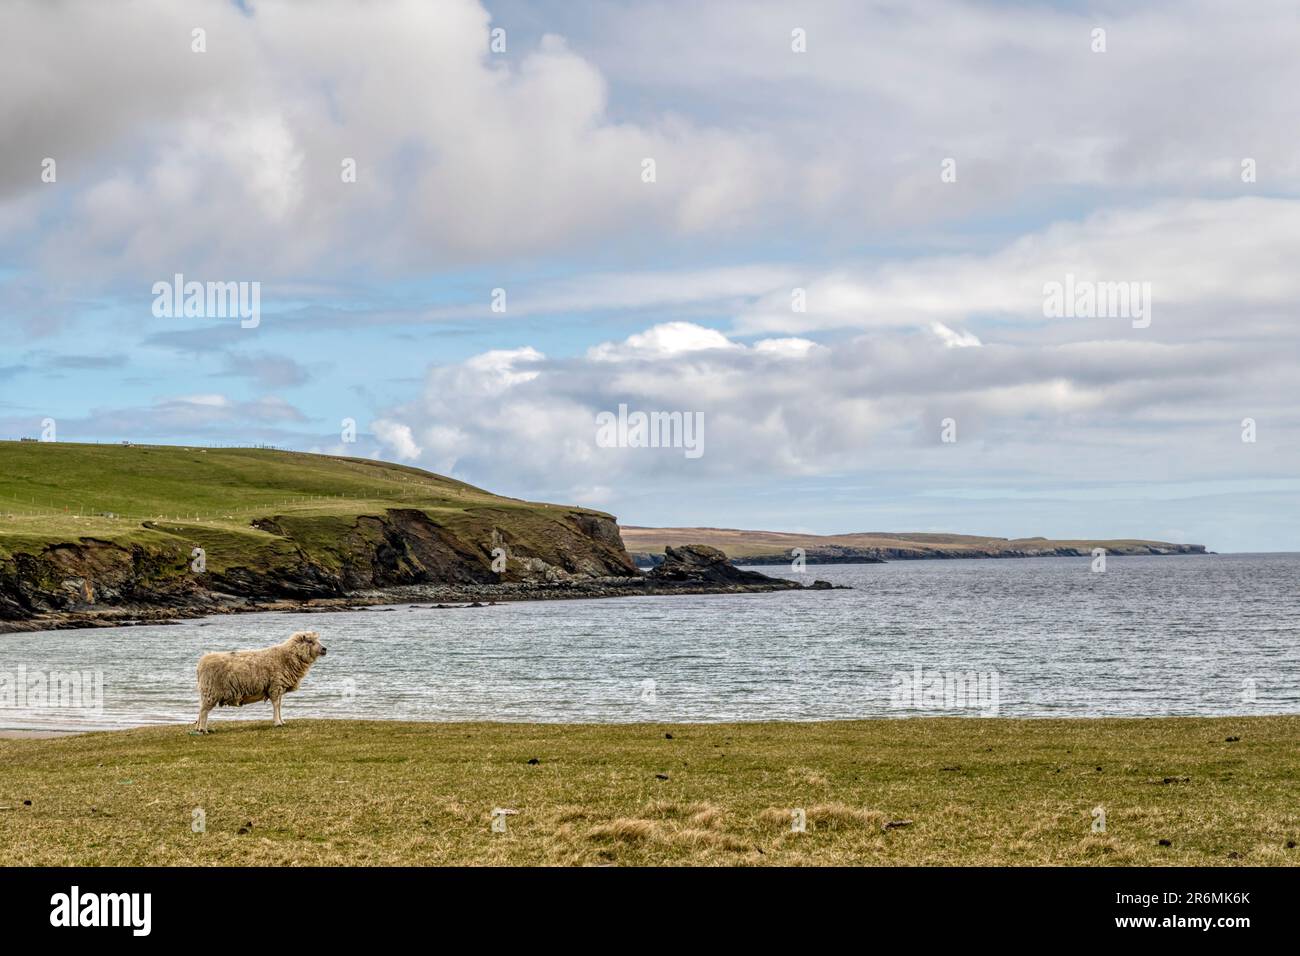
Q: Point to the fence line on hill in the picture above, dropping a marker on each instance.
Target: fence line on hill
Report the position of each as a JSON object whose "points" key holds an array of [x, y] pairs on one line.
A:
{"points": [[19, 508], [30, 507]]}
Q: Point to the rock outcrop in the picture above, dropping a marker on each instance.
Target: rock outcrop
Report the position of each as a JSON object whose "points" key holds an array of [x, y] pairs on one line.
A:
{"points": [[701, 564], [401, 556]]}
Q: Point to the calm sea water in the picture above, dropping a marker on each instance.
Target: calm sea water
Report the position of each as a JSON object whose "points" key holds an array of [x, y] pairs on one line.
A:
{"points": [[1151, 636]]}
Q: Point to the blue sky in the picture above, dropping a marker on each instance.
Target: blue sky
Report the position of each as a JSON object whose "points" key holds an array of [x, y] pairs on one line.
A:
{"points": [[819, 171]]}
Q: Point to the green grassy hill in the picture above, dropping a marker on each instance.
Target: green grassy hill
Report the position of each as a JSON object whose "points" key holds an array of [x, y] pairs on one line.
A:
{"points": [[146, 479], [51, 492], [96, 523]]}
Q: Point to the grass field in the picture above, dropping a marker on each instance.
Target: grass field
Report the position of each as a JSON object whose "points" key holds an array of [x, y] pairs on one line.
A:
{"points": [[994, 791]]}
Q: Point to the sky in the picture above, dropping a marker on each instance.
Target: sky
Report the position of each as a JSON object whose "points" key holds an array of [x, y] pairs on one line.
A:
{"points": [[830, 232]]}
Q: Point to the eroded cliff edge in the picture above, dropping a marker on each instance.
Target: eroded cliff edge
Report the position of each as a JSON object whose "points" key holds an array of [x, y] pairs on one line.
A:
{"points": [[401, 554]]}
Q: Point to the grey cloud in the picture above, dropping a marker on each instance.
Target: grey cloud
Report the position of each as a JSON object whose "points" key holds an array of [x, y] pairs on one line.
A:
{"points": [[87, 361], [198, 418], [209, 339], [162, 149], [265, 369]]}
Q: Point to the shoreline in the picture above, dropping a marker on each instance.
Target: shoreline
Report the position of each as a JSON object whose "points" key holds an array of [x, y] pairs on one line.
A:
{"points": [[466, 595], [245, 725]]}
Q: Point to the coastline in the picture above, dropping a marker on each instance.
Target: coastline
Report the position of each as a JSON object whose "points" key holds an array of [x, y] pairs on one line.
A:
{"points": [[453, 594], [231, 725], [472, 595]]}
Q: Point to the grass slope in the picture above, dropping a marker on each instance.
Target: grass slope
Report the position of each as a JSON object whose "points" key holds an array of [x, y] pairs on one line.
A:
{"points": [[56, 492], [978, 792]]}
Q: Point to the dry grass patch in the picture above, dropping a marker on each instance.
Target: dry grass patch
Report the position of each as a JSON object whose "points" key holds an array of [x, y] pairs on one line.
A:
{"points": [[624, 830], [707, 817], [832, 815], [694, 837], [826, 816]]}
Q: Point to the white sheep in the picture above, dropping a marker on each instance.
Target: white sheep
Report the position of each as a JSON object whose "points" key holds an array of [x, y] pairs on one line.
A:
{"points": [[245, 677]]}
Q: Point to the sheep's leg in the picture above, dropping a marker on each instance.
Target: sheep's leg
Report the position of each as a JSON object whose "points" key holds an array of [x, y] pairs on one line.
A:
{"points": [[275, 703], [202, 725]]}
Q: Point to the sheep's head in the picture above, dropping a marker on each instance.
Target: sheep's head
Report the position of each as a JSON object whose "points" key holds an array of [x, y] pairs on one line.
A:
{"points": [[307, 645]]}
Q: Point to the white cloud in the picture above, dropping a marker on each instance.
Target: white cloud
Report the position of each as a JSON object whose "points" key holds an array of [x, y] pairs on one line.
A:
{"points": [[396, 437], [793, 407], [215, 400], [1196, 254], [670, 338], [788, 347], [500, 368], [952, 338]]}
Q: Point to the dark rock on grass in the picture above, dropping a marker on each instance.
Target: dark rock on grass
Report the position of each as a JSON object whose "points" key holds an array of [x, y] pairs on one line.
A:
{"points": [[668, 736], [533, 761], [1166, 843], [661, 776], [1231, 740], [896, 824]]}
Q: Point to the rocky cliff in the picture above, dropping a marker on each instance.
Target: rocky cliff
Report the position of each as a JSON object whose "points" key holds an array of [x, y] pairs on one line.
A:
{"points": [[301, 558]]}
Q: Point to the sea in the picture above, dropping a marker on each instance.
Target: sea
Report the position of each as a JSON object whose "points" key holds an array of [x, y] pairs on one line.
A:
{"points": [[1029, 637]]}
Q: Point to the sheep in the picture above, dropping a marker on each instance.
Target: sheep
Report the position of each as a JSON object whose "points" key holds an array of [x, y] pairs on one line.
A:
{"points": [[246, 677]]}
